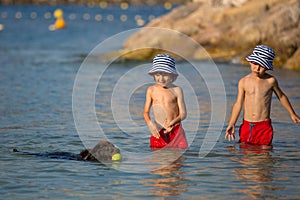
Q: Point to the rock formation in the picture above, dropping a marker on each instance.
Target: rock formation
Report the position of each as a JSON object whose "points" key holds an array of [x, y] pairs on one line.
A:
{"points": [[228, 30]]}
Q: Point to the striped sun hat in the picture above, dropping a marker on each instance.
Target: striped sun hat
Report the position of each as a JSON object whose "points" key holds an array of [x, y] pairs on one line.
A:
{"points": [[262, 55], [163, 63]]}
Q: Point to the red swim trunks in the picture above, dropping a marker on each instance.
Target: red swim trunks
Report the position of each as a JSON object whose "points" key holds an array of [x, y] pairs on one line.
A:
{"points": [[258, 133], [176, 138]]}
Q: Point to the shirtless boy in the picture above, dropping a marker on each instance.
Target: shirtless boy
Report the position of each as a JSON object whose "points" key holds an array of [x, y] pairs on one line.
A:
{"points": [[255, 94], [167, 103]]}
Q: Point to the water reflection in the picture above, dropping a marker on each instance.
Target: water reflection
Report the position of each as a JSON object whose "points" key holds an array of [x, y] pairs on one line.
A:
{"points": [[256, 169], [169, 181]]}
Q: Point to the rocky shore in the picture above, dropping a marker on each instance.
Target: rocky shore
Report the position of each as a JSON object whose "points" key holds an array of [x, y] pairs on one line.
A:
{"points": [[228, 31]]}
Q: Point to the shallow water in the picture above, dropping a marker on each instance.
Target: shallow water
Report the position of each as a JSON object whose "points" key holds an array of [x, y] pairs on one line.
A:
{"points": [[37, 75]]}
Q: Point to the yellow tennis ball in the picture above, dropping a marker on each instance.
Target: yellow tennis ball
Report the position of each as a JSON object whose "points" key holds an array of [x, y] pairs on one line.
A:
{"points": [[116, 156]]}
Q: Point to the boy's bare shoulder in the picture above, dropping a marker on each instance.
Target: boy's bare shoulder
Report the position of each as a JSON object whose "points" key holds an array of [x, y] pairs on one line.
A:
{"points": [[245, 78], [265, 76], [151, 88], [176, 88], [270, 79]]}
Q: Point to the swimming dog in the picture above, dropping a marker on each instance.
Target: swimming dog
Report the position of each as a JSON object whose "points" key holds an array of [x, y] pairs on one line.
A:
{"points": [[102, 151]]}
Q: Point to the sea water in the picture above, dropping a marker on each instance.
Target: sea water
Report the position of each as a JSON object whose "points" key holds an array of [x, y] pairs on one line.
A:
{"points": [[38, 72]]}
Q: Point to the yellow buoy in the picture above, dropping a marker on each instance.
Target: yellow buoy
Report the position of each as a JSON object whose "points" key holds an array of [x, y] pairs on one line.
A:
{"points": [[60, 22], [58, 13]]}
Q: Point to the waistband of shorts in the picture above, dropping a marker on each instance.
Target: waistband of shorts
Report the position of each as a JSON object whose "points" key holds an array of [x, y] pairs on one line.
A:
{"points": [[268, 121]]}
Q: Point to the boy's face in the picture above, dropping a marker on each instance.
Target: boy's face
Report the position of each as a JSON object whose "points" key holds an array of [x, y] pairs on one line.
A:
{"points": [[257, 69], [164, 79]]}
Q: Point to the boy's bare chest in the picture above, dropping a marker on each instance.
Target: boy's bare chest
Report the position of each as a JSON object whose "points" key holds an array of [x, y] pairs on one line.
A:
{"points": [[258, 88], [164, 96]]}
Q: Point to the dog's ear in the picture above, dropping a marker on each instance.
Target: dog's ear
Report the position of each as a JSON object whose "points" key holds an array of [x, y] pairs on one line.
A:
{"points": [[84, 154]]}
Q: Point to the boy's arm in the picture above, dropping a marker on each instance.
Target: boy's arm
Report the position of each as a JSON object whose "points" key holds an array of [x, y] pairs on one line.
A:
{"points": [[285, 102], [181, 108], [237, 107], [146, 114]]}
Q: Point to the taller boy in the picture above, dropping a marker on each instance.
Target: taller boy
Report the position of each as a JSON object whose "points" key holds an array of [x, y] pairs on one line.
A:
{"points": [[167, 102], [255, 94]]}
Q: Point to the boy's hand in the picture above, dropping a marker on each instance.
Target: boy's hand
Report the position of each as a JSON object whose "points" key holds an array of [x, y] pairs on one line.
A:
{"points": [[153, 130], [295, 118], [230, 133], [168, 129]]}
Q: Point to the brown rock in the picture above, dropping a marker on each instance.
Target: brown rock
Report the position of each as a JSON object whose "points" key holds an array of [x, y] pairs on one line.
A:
{"points": [[225, 32], [294, 61]]}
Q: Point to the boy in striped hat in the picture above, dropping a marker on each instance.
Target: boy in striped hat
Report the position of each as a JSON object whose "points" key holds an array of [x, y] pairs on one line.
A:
{"points": [[254, 95], [167, 103]]}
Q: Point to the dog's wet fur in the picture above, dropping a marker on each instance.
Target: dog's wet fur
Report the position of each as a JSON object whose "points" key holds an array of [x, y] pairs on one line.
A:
{"points": [[102, 151]]}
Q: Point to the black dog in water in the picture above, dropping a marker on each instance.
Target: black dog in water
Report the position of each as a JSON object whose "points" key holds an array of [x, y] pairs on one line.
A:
{"points": [[103, 151]]}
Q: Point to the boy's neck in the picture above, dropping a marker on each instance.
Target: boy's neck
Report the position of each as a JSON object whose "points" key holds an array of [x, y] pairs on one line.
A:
{"points": [[260, 76], [165, 87]]}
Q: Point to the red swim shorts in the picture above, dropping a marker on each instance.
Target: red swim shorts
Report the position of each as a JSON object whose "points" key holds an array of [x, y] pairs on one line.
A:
{"points": [[176, 138], [258, 133]]}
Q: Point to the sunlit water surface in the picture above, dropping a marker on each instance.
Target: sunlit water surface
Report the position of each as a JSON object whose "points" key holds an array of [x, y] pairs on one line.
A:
{"points": [[37, 74]]}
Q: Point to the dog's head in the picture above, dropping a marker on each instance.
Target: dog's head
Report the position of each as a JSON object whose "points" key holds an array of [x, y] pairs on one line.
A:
{"points": [[103, 151]]}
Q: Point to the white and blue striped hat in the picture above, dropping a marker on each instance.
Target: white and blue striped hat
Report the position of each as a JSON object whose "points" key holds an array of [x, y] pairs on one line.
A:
{"points": [[163, 63], [262, 55]]}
